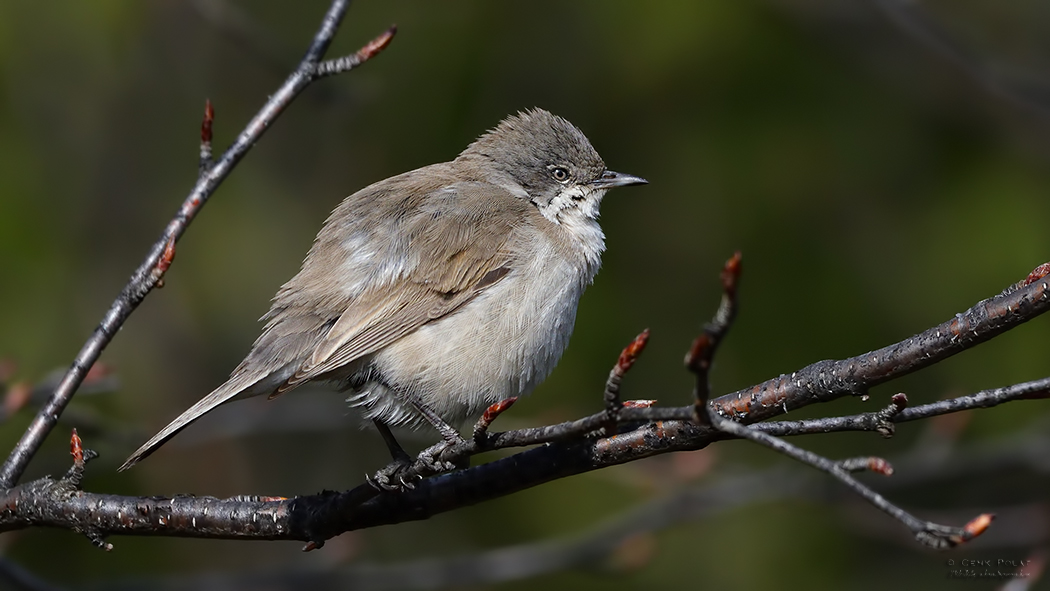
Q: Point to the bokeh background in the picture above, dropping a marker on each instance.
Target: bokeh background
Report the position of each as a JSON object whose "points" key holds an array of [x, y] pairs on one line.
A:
{"points": [[881, 169]]}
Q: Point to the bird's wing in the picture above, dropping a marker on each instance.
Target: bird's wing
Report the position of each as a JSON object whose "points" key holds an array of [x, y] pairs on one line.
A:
{"points": [[456, 247], [446, 242]]}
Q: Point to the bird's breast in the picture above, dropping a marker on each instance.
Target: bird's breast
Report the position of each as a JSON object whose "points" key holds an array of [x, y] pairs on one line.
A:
{"points": [[502, 343]]}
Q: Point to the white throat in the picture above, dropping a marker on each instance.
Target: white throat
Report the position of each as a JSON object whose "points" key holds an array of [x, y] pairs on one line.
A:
{"points": [[575, 210]]}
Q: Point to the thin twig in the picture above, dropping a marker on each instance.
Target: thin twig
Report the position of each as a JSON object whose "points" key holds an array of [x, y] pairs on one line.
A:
{"points": [[867, 464], [1034, 390], [701, 354], [699, 359], [611, 396], [349, 62], [145, 278], [931, 534], [482, 426]]}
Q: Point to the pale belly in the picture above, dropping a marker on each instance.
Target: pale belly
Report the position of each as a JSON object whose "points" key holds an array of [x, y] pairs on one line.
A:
{"points": [[501, 344]]}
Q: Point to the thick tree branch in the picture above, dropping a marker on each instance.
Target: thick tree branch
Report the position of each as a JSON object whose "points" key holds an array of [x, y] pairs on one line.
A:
{"points": [[318, 517], [599, 543], [577, 448], [827, 380]]}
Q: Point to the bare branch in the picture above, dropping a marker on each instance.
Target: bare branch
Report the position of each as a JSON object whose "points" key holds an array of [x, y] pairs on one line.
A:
{"points": [[931, 534], [868, 464], [702, 353], [318, 517], [611, 396], [1034, 390], [349, 62], [490, 414], [595, 545], [828, 380], [146, 277]]}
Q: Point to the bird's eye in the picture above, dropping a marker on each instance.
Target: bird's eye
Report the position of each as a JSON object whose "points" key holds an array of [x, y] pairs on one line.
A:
{"points": [[560, 174]]}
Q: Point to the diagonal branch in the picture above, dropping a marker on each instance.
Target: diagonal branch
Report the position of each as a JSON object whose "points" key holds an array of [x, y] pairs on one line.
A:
{"points": [[1034, 390], [931, 534], [699, 360], [828, 380], [146, 276]]}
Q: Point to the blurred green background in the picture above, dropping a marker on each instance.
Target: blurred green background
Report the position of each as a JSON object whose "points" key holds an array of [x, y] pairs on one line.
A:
{"points": [[875, 185]]}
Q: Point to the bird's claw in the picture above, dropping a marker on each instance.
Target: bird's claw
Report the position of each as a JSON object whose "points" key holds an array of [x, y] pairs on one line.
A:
{"points": [[392, 478], [398, 477], [431, 458]]}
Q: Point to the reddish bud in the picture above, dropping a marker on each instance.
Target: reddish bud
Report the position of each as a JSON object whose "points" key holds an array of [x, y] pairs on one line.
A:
{"points": [[976, 527], [490, 415], [880, 466], [76, 448], [638, 403], [1036, 274], [731, 274], [697, 352], [206, 123], [900, 400], [631, 352], [373, 47], [497, 409]]}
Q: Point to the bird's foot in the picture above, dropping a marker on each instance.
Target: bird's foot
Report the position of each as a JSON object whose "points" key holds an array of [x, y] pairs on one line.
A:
{"points": [[402, 474], [395, 477], [431, 458]]}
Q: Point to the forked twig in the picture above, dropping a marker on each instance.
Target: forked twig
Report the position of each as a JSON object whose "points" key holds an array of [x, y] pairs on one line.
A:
{"points": [[149, 273]]}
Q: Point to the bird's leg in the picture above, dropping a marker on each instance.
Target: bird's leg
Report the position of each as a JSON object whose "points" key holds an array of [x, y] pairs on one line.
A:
{"points": [[451, 436], [397, 453], [389, 477], [448, 432]]}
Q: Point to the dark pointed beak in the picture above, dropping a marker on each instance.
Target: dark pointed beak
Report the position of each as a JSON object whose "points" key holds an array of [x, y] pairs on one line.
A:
{"points": [[610, 179]]}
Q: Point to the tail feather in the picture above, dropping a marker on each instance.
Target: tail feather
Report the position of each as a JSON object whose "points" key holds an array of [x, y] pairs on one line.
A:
{"points": [[239, 386]]}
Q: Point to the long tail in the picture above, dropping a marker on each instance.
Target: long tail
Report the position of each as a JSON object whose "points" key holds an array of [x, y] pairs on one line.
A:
{"points": [[239, 386]]}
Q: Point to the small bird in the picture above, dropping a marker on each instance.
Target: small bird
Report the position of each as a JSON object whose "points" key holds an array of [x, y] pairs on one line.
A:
{"points": [[435, 293]]}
